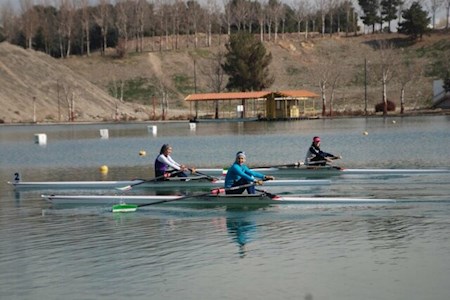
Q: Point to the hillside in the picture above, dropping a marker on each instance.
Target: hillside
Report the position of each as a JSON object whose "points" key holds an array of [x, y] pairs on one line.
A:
{"points": [[86, 82]]}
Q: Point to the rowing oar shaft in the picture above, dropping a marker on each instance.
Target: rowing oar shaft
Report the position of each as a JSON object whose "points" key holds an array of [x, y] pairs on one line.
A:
{"points": [[128, 187], [296, 164], [134, 207], [210, 178]]}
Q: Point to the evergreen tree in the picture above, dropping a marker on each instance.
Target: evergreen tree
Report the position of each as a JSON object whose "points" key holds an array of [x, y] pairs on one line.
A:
{"points": [[415, 22], [247, 64], [370, 9], [389, 10]]}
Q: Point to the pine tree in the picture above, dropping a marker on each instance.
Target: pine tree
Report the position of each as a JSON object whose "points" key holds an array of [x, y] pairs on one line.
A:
{"points": [[415, 22], [247, 64], [370, 9], [389, 10]]}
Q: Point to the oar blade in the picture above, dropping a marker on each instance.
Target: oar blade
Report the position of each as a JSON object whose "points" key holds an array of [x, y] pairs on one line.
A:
{"points": [[121, 208], [124, 188]]}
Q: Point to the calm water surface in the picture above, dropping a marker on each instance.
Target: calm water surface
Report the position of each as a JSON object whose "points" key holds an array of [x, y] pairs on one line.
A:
{"points": [[384, 251]]}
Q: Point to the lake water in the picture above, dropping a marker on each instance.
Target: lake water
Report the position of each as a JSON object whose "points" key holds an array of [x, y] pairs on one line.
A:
{"points": [[379, 251]]}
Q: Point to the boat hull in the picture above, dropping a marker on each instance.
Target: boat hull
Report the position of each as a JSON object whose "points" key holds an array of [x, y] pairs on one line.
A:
{"points": [[309, 171], [221, 199], [167, 184]]}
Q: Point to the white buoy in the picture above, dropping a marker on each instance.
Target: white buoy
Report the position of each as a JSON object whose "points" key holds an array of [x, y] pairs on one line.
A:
{"points": [[153, 129], [192, 126], [104, 133], [365, 133], [142, 153], [40, 138]]}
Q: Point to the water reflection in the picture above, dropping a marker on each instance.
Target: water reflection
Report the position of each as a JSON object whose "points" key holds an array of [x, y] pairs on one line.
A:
{"points": [[242, 232]]}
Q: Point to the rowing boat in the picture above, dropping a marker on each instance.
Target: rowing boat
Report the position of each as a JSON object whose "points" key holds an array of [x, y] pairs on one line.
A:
{"points": [[176, 182], [302, 170], [220, 199]]}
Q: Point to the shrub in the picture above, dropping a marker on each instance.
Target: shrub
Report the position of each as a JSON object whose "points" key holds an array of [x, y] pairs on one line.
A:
{"points": [[380, 106]]}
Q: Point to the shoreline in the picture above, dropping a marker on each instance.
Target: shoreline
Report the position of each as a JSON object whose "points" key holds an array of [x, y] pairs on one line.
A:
{"points": [[415, 113]]}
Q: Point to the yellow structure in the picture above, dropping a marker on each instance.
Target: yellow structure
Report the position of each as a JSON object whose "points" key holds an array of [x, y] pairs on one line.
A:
{"points": [[288, 104]]}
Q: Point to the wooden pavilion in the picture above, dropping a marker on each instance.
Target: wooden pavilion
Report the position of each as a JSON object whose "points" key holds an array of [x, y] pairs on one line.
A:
{"points": [[270, 105]]}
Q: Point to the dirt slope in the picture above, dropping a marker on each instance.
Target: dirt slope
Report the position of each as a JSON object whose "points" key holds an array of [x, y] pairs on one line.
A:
{"points": [[25, 74]]}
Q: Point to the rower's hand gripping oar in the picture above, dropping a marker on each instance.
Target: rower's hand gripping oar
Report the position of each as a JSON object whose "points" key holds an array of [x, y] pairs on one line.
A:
{"points": [[128, 187], [133, 207]]}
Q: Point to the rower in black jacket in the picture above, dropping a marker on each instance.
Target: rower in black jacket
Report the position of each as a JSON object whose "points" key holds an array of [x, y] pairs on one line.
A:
{"points": [[317, 157]]}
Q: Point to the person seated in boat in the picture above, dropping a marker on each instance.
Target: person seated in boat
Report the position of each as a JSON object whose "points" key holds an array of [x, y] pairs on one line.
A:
{"points": [[239, 174], [166, 166], [316, 157]]}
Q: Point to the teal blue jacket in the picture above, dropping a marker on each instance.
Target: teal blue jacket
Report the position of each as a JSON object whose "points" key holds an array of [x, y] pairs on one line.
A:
{"points": [[236, 172]]}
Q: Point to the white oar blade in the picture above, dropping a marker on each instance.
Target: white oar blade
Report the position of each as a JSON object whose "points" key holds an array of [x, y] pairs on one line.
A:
{"points": [[125, 188]]}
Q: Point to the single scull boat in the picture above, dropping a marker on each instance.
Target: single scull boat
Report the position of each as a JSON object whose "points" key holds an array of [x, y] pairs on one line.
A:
{"points": [[302, 170], [220, 199], [176, 182]]}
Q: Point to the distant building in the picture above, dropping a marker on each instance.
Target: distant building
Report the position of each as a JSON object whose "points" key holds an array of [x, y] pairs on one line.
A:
{"points": [[441, 99], [268, 105]]}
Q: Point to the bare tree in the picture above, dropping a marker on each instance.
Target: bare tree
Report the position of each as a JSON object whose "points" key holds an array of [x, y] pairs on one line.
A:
{"points": [[102, 19], [8, 21], [69, 96], [384, 68], [433, 6], [66, 20], [29, 21], [216, 76], [300, 11], [214, 72], [322, 6], [141, 11], [124, 16], [447, 7], [323, 72], [195, 14], [228, 15], [260, 14], [241, 12], [85, 24], [407, 70], [275, 11]]}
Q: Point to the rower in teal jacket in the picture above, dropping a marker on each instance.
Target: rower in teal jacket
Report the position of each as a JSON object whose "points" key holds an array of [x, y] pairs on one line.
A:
{"points": [[239, 174]]}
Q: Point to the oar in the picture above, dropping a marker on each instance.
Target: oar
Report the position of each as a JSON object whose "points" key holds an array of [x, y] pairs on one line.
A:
{"points": [[296, 164], [210, 178], [133, 207], [272, 196], [128, 187]]}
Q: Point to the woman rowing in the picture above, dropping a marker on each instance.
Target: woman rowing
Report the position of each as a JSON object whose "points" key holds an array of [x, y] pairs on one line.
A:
{"points": [[316, 157], [239, 174], [166, 166]]}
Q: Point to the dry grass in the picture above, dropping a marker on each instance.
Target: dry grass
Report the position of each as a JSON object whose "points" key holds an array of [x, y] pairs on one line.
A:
{"points": [[26, 74]]}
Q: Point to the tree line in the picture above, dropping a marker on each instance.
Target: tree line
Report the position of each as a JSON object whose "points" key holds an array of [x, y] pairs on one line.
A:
{"points": [[77, 27]]}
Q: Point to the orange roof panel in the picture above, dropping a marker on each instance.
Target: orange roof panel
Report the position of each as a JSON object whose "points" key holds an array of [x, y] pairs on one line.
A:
{"points": [[227, 96], [250, 95]]}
